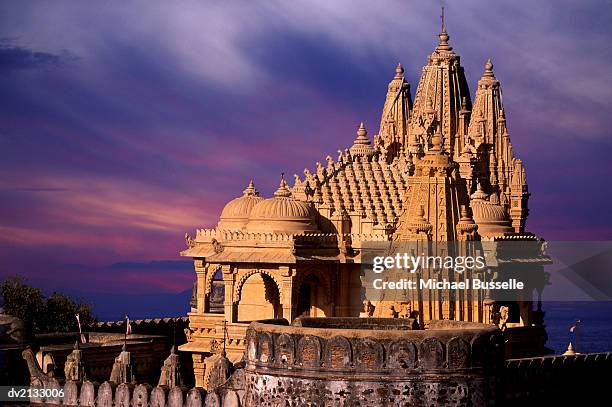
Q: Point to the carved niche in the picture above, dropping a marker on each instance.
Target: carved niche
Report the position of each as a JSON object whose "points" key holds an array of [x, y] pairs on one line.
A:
{"points": [[285, 350], [309, 351], [431, 354], [457, 353], [265, 347], [251, 342], [338, 353], [402, 354], [479, 346], [368, 354]]}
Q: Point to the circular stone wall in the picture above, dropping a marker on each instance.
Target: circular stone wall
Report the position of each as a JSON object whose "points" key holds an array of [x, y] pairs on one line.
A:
{"points": [[371, 361]]}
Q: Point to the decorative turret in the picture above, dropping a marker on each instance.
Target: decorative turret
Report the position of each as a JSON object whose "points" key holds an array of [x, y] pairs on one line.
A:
{"points": [[124, 370], [392, 137], [74, 368], [171, 371], [362, 147], [443, 84]]}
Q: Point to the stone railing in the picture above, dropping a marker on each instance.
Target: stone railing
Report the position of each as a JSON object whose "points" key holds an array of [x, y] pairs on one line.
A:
{"points": [[108, 394]]}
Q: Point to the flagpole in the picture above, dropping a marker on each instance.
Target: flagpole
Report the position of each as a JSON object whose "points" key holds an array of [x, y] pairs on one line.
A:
{"points": [[577, 329]]}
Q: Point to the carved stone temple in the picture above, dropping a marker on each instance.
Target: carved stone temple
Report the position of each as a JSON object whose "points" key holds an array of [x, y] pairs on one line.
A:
{"points": [[440, 167]]}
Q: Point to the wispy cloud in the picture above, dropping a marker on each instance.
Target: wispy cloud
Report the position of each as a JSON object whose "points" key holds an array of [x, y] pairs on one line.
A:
{"points": [[124, 125]]}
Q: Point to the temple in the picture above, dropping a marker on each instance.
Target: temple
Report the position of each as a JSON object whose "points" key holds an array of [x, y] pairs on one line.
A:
{"points": [[441, 168]]}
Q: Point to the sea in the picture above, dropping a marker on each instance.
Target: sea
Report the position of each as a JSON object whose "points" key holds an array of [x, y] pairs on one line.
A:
{"points": [[594, 332]]}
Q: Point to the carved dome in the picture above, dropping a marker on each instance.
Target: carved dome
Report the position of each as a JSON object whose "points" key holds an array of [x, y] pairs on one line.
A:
{"points": [[492, 219], [235, 214], [282, 213]]}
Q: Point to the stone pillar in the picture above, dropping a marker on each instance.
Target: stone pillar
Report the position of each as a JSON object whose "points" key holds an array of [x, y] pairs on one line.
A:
{"points": [[287, 276], [199, 368], [200, 269], [229, 279]]}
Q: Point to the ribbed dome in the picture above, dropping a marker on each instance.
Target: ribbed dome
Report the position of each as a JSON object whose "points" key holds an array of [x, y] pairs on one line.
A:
{"points": [[282, 213], [235, 214], [492, 219]]}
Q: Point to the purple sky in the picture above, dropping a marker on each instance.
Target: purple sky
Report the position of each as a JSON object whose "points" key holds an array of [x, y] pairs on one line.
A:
{"points": [[123, 126]]}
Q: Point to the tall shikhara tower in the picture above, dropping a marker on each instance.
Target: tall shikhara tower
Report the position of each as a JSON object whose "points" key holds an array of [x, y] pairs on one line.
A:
{"points": [[441, 169]]}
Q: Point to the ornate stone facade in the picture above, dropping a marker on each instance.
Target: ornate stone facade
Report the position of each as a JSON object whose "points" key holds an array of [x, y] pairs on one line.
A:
{"points": [[439, 169]]}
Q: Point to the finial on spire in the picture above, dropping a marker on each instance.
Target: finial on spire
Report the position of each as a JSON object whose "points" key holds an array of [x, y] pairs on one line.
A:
{"points": [[488, 69], [361, 131], [443, 36], [250, 190], [399, 71], [283, 190], [443, 22]]}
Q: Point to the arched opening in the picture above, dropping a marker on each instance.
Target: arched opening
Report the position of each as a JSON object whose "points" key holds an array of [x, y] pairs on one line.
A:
{"points": [[311, 299], [259, 299], [216, 297]]}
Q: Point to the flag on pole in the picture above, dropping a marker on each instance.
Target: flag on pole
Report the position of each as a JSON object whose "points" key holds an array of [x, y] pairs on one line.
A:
{"points": [[128, 326], [574, 326], [78, 318]]}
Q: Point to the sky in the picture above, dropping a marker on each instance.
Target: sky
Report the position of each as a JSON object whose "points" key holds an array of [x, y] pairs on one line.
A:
{"points": [[124, 125]]}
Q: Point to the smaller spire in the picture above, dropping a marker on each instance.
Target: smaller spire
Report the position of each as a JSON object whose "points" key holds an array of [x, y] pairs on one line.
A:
{"points": [[399, 71], [488, 73], [283, 190], [362, 145], [479, 194], [250, 190]]}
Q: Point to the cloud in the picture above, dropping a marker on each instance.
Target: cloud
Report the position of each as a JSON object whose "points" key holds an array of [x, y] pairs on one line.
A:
{"points": [[170, 109], [15, 58]]}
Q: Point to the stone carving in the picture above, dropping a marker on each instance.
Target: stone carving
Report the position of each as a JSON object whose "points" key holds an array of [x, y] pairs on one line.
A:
{"points": [[74, 368], [368, 354], [402, 354], [368, 309], [338, 353], [285, 350], [458, 353], [221, 370], [37, 376], [124, 370], [431, 354], [265, 347], [189, 240], [171, 370], [309, 351]]}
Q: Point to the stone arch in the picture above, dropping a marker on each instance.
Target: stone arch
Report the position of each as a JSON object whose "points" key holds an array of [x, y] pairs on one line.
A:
{"points": [[257, 296], [249, 273], [210, 274], [320, 275], [312, 293]]}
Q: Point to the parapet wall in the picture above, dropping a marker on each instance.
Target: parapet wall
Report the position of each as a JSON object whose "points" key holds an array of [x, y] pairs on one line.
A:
{"points": [[452, 363], [558, 380]]}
